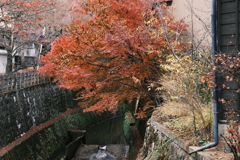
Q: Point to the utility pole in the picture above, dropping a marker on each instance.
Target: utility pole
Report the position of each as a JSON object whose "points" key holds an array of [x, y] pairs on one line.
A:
{"points": [[41, 39]]}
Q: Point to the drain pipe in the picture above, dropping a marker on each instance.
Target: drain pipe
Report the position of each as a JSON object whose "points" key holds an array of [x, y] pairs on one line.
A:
{"points": [[215, 109]]}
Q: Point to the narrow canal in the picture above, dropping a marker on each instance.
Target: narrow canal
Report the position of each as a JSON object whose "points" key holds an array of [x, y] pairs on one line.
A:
{"points": [[111, 135]]}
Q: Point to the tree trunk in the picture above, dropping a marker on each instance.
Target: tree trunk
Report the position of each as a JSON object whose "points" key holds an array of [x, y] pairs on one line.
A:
{"points": [[9, 66]]}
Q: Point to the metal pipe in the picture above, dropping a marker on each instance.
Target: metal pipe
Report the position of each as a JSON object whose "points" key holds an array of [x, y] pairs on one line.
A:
{"points": [[215, 97]]}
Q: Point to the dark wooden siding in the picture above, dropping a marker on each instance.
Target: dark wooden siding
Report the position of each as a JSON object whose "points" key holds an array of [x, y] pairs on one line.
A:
{"points": [[228, 19]]}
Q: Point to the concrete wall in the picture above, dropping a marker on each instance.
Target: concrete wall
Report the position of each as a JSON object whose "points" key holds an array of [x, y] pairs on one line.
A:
{"points": [[3, 62]]}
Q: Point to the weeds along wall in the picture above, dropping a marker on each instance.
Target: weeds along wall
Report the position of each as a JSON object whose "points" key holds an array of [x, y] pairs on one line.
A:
{"points": [[160, 143], [29, 102]]}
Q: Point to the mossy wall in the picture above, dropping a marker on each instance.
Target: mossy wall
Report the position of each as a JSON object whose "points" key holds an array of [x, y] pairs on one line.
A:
{"points": [[24, 108], [46, 143], [160, 143], [31, 106], [132, 135]]}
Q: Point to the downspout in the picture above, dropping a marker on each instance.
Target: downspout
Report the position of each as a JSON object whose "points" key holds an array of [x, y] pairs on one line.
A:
{"points": [[215, 98]]}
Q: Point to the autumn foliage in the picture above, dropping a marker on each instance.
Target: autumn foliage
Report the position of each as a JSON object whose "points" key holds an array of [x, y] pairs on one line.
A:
{"points": [[19, 24], [18, 16], [114, 55], [226, 70], [232, 134]]}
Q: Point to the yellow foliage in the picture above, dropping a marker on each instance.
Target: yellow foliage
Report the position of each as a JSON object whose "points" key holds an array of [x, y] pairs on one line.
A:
{"points": [[187, 106]]}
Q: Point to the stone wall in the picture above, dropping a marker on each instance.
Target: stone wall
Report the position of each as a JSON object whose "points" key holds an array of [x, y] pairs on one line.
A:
{"points": [[159, 142], [51, 140], [23, 108]]}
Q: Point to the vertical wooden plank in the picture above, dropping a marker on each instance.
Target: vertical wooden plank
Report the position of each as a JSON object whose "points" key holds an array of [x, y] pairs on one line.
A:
{"points": [[21, 80], [11, 82], [18, 81], [31, 78], [37, 78], [1, 83], [25, 79]]}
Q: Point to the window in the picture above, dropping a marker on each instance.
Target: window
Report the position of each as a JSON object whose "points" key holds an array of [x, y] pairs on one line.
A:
{"points": [[18, 60], [167, 2]]}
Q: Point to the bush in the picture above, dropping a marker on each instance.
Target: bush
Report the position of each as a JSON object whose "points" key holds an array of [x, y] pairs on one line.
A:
{"points": [[184, 91]]}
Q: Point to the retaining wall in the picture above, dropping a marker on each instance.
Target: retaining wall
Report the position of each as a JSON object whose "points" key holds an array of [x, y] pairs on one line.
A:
{"points": [[23, 108], [35, 117], [161, 142], [50, 141]]}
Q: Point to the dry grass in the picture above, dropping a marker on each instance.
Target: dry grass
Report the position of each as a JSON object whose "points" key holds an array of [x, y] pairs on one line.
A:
{"points": [[174, 109], [178, 117]]}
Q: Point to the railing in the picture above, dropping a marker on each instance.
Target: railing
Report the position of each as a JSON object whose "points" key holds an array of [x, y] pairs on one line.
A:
{"points": [[14, 81]]}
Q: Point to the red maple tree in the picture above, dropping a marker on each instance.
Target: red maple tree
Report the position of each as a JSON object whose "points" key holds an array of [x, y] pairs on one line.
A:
{"points": [[114, 55]]}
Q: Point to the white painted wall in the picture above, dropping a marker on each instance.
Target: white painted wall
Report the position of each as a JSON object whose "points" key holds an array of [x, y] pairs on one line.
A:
{"points": [[30, 51], [3, 60]]}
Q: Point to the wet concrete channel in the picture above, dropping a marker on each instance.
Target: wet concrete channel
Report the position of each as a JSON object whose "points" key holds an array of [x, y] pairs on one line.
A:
{"points": [[103, 141]]}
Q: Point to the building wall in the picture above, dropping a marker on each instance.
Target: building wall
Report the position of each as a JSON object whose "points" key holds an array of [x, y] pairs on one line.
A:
{"points": [[3, 61], [228, 42]]}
